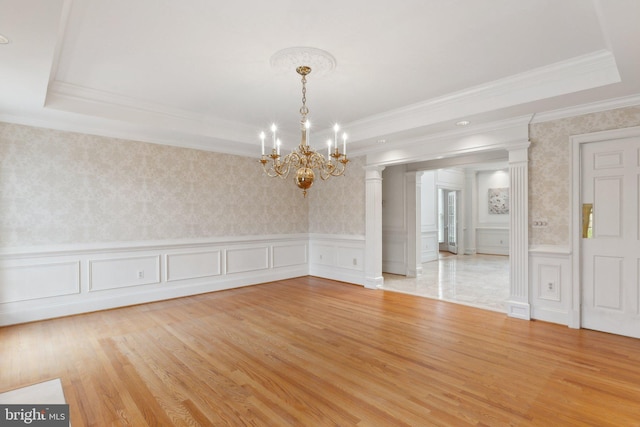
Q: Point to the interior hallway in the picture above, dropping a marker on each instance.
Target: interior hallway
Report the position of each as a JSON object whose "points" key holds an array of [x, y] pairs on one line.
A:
{"points": [[477, 280]]}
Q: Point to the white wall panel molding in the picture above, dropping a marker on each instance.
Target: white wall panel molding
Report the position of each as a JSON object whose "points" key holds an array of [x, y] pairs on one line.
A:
{"points": [[550, 283], [285, 255], [193, 265], [492, 240], [40, 283], [242, 260], [23, 281], [430, 246], [113, 273], [337, 257]]}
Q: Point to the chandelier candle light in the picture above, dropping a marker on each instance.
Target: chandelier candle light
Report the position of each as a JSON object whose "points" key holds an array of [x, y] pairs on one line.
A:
{"points": [[305, 159]]}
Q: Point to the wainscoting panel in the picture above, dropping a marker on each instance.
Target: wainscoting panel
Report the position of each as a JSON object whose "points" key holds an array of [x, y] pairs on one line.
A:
{"points": [[242, 260], [288, 255], [429, 246], [30, 281], [193, 265], [323, 254], [550, 284], [492, 240], [337, 257], [351, 258], [123, 272], [42, 283]]}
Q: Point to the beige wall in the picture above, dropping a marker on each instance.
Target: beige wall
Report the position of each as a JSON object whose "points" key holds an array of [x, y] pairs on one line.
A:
{"points": [[550, 169], [61, 187], [337, 206]]}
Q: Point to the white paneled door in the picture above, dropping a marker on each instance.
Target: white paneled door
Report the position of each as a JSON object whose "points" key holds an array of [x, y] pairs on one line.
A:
{"points": [[611, 236]]}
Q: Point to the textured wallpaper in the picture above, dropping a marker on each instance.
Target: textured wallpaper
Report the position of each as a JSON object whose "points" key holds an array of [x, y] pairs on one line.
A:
{"points": [[61, 187], [337, 206], [550, 169]]}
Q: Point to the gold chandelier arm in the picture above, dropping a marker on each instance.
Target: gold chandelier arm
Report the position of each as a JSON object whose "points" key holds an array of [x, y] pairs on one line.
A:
{"points": [[275, 168], [334, 166]]}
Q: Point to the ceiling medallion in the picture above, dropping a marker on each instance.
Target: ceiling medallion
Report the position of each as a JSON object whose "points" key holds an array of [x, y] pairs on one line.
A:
{"points": [[320, 61]]}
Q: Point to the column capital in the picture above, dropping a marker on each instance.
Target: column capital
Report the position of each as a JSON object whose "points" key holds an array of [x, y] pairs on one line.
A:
{"points": [[518, 151], [373, 172]]}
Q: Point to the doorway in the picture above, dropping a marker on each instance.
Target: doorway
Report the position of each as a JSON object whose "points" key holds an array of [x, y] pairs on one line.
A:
{"points": [[445, 209], [448, 220], [510, 142]]}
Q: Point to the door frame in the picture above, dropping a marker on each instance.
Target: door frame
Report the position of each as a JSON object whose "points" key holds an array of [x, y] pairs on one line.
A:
{"points": [[575, 313]]}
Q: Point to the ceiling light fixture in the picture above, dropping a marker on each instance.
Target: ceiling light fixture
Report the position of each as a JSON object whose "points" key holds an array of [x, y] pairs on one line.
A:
{"points": [[304, 159], [463, 123]]}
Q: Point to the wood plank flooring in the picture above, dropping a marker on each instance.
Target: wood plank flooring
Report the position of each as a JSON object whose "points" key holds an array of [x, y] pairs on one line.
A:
{"points": [[314, 352]]}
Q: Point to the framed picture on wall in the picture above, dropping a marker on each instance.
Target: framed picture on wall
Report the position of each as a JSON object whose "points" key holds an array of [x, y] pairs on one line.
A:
{"points": [[499, 201]]}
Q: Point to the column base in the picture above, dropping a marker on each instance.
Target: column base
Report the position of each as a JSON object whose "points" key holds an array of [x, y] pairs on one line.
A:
{"points": [[519, 310], [374, 282]]}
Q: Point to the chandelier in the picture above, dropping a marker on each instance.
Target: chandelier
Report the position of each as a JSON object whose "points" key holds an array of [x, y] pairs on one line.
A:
{"points": [[304, 160]]}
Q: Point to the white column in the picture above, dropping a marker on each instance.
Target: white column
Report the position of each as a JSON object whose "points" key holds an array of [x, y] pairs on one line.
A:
{"points": [[471, 211], [373, 227], [414, 229], [518, 304]]}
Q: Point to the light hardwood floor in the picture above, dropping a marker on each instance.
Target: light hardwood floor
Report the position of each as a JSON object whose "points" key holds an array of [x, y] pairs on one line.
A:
{"points": [[314, 352]]}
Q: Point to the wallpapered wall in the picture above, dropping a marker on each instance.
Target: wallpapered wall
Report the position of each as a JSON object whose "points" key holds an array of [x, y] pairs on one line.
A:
{"points": [[337, 206], [61, 187], [550, 169]]}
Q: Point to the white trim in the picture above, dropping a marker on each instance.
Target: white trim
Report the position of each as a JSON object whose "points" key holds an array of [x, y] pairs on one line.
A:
{"points": [[493, 136], [136, 272], [594, 107], [549, 250], [45, 250], [337, 257], [576, 142]]}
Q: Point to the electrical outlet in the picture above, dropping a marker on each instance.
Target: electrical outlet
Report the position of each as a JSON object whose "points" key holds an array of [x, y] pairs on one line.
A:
{"points": [[140, 274], [355, 261], [550, 286]]}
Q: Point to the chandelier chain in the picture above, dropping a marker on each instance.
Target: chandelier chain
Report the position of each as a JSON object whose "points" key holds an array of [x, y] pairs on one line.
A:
{"points": [[304, 110]]}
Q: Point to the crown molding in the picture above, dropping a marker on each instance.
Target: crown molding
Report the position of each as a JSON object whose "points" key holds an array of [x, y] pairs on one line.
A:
{"points": [[68, 122], [496, 136], [594, 107], [63, 90], [580, 73], [516, 128]]}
